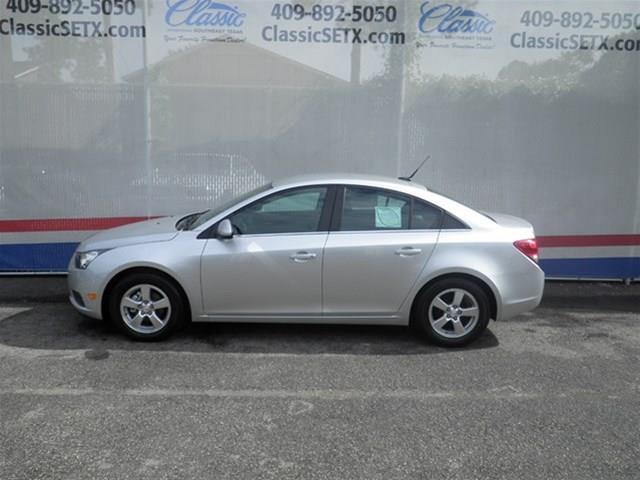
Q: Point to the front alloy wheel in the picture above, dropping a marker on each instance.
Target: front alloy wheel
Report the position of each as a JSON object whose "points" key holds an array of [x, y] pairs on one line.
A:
{"points": [[146, 306]]}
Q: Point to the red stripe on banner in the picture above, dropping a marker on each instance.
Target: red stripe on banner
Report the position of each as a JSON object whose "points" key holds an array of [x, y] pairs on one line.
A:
{"points": [[619, 240], [102, 223], [63, 224]]}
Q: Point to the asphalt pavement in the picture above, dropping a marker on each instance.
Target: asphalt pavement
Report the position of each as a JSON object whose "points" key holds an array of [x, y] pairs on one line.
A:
{"points": [[553, 394]]}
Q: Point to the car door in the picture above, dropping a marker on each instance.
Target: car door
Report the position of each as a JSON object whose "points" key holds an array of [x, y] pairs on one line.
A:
{"points": [[379, 243], [272, 266]]}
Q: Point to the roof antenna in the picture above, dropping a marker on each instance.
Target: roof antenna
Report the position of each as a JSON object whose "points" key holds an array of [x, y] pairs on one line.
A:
{"points": [[408, 179]]}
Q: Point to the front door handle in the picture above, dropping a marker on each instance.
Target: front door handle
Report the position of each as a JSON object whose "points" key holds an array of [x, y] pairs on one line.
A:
{"points": [[302, 256], [408, 251]]}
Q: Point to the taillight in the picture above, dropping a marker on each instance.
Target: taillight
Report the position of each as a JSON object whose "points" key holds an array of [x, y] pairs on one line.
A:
{"points": [[529, 247]]}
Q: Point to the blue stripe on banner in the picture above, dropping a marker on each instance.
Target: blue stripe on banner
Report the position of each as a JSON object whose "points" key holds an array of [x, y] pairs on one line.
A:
{"points": [[612, 267], [36, 257], [54, 257]]}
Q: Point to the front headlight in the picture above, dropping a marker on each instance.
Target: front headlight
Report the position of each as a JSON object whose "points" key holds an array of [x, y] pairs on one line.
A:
{"points": [[83, 259]]}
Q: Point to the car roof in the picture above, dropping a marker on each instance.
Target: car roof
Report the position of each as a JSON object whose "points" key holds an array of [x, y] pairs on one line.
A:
{"points": [[354, 179]]}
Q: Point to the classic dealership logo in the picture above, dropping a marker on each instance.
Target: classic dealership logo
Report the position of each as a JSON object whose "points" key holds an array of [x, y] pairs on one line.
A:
{"points": [[465, 27], [445, 18], [203, 14], [196, 21]]}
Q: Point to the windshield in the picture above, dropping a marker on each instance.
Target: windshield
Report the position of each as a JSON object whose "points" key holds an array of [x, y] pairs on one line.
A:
{"points": [[194, 220]]}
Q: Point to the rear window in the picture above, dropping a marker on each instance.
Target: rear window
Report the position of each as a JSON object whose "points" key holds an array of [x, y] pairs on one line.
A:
{"points": [[449, 221]]}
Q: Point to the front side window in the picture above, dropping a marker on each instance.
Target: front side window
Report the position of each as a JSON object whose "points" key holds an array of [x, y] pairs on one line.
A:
{"points": [[372, 209], [293, 211], [193, 221]]}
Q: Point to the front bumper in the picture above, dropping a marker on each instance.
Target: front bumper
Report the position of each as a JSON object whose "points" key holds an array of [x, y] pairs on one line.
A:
{"points": [[85, 292]]}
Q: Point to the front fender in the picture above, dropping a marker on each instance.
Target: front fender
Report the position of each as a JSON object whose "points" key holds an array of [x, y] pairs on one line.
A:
{"points": [[179, 259]]}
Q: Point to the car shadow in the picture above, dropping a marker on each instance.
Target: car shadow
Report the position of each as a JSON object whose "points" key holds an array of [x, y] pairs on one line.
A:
{"points": [[59, 327]]}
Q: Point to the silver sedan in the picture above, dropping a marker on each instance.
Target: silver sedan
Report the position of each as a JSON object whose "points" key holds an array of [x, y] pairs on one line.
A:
{"points": [[315, 249]]}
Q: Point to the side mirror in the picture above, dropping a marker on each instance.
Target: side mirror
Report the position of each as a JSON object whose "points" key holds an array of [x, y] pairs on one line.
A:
{"points": [[225, 229]]}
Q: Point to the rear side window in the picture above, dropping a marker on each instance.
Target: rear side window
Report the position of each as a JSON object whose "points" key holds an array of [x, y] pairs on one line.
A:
{"points": [[373, 209], [452, 223], [425, 216]]}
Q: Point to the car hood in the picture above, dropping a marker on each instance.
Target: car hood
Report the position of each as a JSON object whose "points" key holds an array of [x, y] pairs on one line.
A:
{"points": [[148, 231]]}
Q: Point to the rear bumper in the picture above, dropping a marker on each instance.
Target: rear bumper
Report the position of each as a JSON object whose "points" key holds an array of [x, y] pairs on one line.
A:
{"points": [[523, 294], [510, 310]]}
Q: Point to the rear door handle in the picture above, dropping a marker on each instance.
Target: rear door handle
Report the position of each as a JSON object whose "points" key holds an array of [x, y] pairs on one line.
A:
{"points": [[408, 251], [302, 256]]}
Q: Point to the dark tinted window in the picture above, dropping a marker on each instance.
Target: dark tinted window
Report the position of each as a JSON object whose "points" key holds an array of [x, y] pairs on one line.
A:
{"points": [[292, 211], [425, 216], [372, 209], [452, 223]]}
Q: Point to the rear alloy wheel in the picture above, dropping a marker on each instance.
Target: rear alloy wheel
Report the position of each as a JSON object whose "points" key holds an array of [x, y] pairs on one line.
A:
{"points": [[146, 306], [452, 312]]}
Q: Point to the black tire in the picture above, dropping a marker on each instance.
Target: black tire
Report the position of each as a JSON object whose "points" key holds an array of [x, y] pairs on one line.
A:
{"points": [[173, 317], [420, 315]]}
